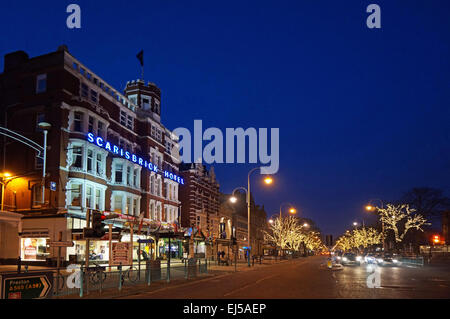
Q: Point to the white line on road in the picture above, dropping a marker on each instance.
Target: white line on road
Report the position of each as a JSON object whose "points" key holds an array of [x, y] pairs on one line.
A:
{"points": [[249, 285]]}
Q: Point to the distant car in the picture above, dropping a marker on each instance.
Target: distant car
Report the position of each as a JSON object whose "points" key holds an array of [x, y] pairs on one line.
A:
{"points": [[350, 259], [370, 258], [337, 256], [388, 259]]}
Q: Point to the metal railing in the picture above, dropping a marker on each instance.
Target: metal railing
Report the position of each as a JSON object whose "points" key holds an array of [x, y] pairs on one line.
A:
{"points": [[101, 278]]}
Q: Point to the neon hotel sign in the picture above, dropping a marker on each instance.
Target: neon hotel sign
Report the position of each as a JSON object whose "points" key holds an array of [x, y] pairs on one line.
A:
{"points": [[100, 142]]}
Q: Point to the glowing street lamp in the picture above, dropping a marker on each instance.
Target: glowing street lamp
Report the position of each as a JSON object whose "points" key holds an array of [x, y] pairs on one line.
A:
{"points": [[292, 210]]}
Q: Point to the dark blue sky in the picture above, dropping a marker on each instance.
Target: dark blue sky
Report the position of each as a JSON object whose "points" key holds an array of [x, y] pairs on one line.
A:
{"points": [[362, 113]]}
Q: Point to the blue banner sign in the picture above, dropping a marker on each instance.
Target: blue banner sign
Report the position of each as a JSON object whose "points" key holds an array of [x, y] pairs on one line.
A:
{"points": [[100, 142]]}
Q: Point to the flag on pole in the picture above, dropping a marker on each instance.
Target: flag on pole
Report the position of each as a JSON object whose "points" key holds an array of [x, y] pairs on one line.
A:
{"points": [[140, 57]]}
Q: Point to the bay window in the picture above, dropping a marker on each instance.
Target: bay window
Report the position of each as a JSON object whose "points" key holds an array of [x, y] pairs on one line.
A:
{"points": [[128, 206], [89, 197], [77, 156], [78, 122], [90, 160], [100, 169], [97, 198], [75, 194], [118, 173], [118, 203]]}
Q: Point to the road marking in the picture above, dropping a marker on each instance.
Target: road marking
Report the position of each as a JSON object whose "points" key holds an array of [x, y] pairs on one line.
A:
{"points": [[249, 285]]}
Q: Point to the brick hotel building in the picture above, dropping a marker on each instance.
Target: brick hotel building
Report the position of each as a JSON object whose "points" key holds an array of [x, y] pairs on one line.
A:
{"points": [[200, 205], [107, 151]]}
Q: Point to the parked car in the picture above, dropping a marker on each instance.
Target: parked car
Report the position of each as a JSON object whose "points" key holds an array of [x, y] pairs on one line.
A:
{"points": [[350, 259]]}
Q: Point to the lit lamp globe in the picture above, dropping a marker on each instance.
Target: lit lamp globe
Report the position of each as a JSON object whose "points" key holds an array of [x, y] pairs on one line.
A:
{"points": [[270, 221], [268, 180], [369, 207], [292, 210], [44, 126], [233, 199], [6, 174]]}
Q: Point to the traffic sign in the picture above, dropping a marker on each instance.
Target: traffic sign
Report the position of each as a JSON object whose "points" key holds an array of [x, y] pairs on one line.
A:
{"points": [[60, 243], [27, 285], [121, 254], [145, 241]]}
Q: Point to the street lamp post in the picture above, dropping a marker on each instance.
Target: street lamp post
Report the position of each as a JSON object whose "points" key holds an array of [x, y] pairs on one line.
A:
{"points": [[292, 210], [370, 207], [45, 127], [233, 199]]}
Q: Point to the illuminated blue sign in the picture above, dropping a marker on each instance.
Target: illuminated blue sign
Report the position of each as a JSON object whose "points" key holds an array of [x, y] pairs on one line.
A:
{"points": [[100, 142]]}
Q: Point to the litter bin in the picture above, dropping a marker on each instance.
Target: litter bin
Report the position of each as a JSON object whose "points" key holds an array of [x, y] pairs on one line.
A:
{"points": [[192, 267], [155, 269]]}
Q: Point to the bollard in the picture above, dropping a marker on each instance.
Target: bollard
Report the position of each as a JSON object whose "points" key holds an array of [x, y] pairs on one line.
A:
{"points": [[81, 281], [206, 266], [185, 269], [168, 271], [101, 280], [19, 264], [149, 275], [120, 277]]}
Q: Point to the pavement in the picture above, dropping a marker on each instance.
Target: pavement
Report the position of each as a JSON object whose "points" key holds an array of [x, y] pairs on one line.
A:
{"points": [[214, 271]]}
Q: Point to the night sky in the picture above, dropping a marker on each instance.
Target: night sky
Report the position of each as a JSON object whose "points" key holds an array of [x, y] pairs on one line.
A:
{"points": [[362, 113]]}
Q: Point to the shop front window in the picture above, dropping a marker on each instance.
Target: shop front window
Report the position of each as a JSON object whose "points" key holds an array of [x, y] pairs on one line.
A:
{"points": [[34, 249]]}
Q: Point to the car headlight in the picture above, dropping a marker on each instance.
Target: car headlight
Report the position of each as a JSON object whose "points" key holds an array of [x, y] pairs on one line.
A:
{"points": [[380, 260], [338, 257], [344, 259], [395, 260], [358, 258]]}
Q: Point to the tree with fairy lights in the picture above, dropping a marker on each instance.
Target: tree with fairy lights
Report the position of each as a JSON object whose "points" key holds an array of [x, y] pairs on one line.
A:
{"points": [[400, 219], [287, 233]]}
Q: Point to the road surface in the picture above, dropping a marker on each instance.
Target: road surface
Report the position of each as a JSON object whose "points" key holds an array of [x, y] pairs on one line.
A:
{"points": [[304, 278]]}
